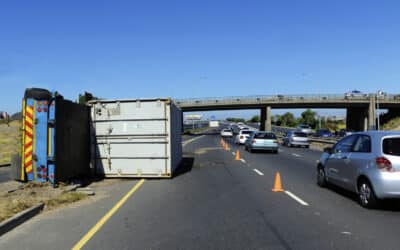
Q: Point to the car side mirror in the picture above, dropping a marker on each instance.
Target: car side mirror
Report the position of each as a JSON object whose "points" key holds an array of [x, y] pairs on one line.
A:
{"points": [[328, 150]]}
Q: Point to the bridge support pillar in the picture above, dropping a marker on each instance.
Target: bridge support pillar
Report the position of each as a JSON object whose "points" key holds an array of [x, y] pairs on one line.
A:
{"points": [[265, 119], [372, 113], [357, 119]]}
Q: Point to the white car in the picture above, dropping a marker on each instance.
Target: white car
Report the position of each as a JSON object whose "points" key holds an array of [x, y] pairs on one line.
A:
{"points": [[226, 133], [242, 136]]}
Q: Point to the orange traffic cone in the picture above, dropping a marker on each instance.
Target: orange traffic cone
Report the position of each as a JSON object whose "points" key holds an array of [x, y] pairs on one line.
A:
{"points": [[222, 142], [237, 158], [278, 184], [226, 147]]}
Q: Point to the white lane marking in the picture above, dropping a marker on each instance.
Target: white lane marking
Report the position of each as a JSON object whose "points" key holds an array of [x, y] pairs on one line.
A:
{"points": [[296, 155], [346, 233], [297, 198], [242, 160], [258, 171], [233, 153], [191, 140]]}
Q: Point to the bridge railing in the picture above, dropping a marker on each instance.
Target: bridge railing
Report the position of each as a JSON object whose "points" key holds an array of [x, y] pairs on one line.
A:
{"points": [[277, 98]]}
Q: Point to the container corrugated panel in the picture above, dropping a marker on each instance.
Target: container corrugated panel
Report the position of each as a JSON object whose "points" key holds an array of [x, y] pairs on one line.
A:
{"points": [[135, 138]]}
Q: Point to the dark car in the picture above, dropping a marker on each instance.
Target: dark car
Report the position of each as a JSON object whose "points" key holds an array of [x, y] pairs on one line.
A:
{"points": [[323, 133], [345, 132]]}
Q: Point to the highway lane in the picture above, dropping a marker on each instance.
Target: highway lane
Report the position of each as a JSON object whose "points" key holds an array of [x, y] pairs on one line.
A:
{"points": [[216, 202], [225, 204]]}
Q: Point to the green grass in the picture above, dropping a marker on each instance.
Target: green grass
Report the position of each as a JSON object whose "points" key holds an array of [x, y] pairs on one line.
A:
{"points": [[393, 124]]}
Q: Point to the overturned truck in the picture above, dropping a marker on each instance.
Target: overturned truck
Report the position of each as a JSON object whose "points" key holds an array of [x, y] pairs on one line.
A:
{"points": [[55, 138]]}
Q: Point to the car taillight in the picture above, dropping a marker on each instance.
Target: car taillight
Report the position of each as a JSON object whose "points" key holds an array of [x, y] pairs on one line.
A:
{"points": [[383, 164], [253, 141], [241, 137]]}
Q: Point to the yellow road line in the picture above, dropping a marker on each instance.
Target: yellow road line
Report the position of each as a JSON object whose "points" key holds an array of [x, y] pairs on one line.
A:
{"points": [[106, 217]]}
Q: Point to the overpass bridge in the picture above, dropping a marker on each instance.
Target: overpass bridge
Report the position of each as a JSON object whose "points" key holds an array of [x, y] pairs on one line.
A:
{"points": [[361, 110]]}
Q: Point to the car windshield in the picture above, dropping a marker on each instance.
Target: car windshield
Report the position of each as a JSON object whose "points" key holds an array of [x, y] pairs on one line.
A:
{"points": [[391, 146], [246, 132], [226, 130], [299, 134], [264, 136], [304, 126]]}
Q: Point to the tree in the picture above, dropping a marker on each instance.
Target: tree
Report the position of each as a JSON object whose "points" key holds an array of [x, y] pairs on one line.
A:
{"points": [[287, 120], [308, 117], [255, 119]]}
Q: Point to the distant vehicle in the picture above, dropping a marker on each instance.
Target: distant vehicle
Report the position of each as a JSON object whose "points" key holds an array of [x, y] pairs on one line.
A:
{"points": [[213, 124], [240, 123], [344, 132], [304, 128], [262, 140], [226, 133], [241, 137], [367, 163], [297, 139], [325, 133], [354, 93], [3, 115]]}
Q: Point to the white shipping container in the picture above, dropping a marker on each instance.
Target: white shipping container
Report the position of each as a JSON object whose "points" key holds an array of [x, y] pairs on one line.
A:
{"points": [[135, 138]]}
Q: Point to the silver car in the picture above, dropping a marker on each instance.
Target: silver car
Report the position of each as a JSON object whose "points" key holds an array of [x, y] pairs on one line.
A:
{"points": [[367, 163], [304, 128], [297, 139]]}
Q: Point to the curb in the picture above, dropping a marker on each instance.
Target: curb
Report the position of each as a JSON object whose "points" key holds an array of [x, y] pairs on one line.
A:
{"points": [[5, 165], [20, 218]]}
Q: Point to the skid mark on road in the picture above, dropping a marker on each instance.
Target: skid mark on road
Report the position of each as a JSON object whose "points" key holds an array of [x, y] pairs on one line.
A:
{"points": [[296, 198]]}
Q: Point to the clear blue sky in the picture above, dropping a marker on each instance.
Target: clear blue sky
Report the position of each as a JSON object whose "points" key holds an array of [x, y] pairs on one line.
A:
{"points": [[130, 49]]}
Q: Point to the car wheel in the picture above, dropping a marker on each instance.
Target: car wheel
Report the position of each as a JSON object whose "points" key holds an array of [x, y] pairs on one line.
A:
{"points": [[366, 194], [251, 150], [275, 151], [289, 145], [321, 178]]}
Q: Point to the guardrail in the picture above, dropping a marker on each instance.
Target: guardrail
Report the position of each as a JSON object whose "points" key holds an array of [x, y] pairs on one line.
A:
{"points": [[282, 130]]}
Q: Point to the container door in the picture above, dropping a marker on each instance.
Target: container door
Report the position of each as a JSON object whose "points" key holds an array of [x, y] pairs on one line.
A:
{"points": [[131, 138]]}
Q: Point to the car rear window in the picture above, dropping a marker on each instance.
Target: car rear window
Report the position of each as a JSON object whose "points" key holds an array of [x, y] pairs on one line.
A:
{"points": [[227, 130], [304, 126], [246, 132], [391, 146], [299, 134], [264, 136]]}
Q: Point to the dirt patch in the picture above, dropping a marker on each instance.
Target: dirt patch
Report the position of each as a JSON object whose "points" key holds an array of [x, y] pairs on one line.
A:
{"points": [[16, 197]]}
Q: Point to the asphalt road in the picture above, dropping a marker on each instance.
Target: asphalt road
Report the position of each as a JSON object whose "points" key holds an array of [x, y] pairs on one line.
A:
{"points": [[218, 203], [4, 174]]}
